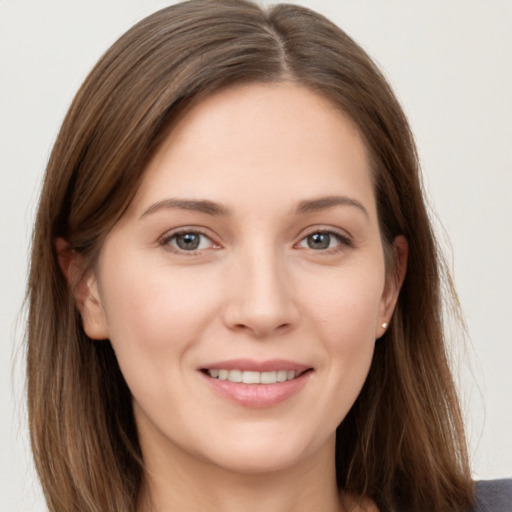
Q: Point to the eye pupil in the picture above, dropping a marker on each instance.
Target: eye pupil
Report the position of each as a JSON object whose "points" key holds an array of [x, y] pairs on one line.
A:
{"points": [[188, 241], [319, 240]]}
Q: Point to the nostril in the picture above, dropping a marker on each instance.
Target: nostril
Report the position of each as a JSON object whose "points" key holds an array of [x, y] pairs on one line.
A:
{"points": [[257, 311], [261, 329]]}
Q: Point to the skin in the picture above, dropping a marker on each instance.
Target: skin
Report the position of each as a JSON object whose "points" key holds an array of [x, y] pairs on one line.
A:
{"points": [[256, 288]]}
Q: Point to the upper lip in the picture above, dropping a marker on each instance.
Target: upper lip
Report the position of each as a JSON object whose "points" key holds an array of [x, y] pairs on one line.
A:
{"points": [[257, 366]]}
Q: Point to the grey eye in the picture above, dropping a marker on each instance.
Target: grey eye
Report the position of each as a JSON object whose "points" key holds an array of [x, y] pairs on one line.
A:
{"points": [[188, 241], [319, 241]]}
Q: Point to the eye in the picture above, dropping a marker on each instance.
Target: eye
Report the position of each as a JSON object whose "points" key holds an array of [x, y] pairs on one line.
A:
{"points": [[188, 241], [324, 240]]}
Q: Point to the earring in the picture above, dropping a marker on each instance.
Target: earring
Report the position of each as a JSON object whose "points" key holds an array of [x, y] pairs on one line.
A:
{"points": [[384, 325]]}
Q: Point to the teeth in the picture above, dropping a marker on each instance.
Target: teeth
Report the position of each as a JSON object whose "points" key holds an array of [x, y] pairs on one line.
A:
{"points": [[269, 377], [235, 376], [250, 377], [282, 375]]}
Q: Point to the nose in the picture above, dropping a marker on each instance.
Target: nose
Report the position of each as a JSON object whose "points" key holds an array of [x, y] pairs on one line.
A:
{"points": [[262, 300]]}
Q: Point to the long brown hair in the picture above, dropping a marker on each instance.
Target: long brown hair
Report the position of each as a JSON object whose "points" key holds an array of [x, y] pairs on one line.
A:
{"points": [[402, 443]]}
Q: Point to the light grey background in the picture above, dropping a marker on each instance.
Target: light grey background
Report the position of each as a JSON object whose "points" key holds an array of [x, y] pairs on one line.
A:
{"points": [[450, 62]]}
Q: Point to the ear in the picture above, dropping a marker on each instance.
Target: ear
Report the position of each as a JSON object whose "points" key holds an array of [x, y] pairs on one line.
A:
{"points": [[394, 281], [84, 287]]}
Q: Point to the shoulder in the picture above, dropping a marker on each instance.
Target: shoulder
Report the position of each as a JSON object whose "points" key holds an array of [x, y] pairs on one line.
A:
{"points": [[493, 496]]}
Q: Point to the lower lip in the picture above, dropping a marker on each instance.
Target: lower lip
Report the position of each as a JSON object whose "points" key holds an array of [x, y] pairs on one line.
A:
{"points": [[258, 396]]}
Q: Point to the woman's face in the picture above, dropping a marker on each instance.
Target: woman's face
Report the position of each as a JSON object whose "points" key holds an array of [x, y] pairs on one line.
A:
{"points": [[251, 252]]}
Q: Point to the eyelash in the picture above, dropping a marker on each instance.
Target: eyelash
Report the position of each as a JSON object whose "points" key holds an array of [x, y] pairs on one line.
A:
{"points": [[168, 238], [344, 241]]}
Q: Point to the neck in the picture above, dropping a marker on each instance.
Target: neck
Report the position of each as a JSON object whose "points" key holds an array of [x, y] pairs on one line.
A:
{"points": [[199, 486]]}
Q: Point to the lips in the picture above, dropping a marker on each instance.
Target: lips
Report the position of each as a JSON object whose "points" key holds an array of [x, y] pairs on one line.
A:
{"points": [[256, 384]]}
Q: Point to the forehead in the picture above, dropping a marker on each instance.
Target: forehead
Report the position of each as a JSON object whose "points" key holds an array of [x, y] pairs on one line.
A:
{"points": [[278, 140]]}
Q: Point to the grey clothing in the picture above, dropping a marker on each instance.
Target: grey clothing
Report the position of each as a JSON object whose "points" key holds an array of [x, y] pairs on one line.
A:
{"points": [[493, 496]]}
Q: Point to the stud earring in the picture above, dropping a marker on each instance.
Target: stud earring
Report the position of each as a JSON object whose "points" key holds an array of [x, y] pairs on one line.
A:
{"points": [[384, 325]]}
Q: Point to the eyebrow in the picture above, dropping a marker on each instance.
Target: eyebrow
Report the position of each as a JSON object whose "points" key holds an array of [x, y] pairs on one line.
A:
{"points": [[323, 203], [203, 206], [215, 209]]}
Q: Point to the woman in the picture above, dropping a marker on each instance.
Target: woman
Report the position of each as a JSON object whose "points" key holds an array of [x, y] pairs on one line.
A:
{"points": [[235, 289]]}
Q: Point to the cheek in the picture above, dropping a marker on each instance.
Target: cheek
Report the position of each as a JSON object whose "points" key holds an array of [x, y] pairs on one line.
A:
{"points": [[347, 310], [155, 321], [151, 301], [155, 313], [344, 318]]}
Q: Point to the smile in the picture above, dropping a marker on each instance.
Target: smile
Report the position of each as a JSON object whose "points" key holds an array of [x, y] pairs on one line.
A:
{"points": [[256, 385], [253, 377]]}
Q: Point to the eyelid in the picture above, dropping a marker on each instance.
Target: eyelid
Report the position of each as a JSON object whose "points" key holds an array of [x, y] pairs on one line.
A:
{"points": [[346, 240], [166, 238]]}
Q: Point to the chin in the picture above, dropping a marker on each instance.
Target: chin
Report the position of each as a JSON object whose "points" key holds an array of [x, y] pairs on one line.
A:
{"points": [[262, 453], [256, 462]]}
